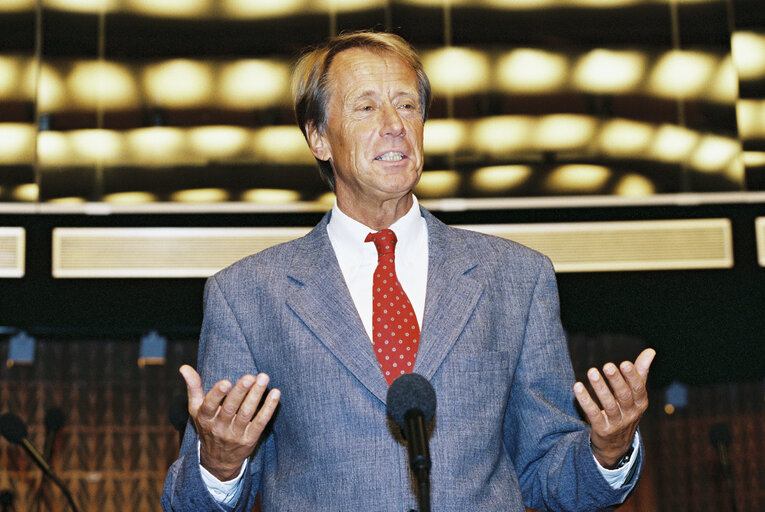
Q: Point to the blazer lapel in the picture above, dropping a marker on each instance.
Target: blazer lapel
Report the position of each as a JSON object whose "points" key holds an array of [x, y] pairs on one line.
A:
{"points": [[451, 295], [322, 301]]}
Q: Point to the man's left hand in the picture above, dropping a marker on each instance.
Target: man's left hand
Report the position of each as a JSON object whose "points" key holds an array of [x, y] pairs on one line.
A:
{"points": [[613, 427]]}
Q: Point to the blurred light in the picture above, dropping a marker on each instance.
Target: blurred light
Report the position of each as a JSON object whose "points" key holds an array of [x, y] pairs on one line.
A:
{"points": [[673, 144], [271, 196], [609, 72], [21, 350], [669, 409], [754, 158], [520, 4], [444, 136], [130, 198], [347, 5], [622, 138], [282, 145], [200, 195], [152, 349], [327, 198], [748, 50], [681, 74], [714, 153], [170, 8], [27, 192], [103, 85], [158, 146], [578, 178], [54, 149], [218, 141], [436, 3], [178, 83], [736, 170], [50, 92], [438, 184], [66, 200], [93, 6], [253, 84], [457, 70], [634, 185], [723, 87], [17, 143], [751, 118], [103, 146], [17, 5], [676, 396], [10, 71], [500, 178], [605, 3], [531, 71], [560, 132], [503, 134], [262, 8]]}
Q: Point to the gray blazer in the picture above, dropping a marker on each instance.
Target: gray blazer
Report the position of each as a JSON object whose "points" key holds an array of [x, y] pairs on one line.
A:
{"points": [[506, 431]]}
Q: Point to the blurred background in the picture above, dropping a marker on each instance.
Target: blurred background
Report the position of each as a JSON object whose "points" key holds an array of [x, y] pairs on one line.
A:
{"points": [[146, 144]]}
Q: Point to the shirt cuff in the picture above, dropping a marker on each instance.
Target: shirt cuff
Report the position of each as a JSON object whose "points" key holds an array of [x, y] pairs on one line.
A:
{"points": [[225, 493], [617, 477]]}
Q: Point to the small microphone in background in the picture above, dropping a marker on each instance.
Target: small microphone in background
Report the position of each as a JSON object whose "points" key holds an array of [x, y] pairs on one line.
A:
{"points": [[6, 500], [411, 404], [179, 414], [54, 421], [720, 436], [14, 430]]}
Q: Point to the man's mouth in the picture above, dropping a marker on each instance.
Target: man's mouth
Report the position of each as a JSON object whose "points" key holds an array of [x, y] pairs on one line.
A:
{"points": [[391, 156]]}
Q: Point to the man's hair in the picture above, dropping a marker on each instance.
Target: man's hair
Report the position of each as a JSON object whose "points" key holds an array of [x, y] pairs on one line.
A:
{"points": [[310, 80]]}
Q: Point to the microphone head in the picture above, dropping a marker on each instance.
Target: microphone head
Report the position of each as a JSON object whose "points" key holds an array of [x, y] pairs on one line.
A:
{"points": [[410, 391], [54, 419], [12, 428], [720, 434]]}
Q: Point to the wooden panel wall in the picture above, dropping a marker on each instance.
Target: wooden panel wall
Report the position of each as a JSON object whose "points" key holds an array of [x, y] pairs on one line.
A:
{"points": [[118, 442]]}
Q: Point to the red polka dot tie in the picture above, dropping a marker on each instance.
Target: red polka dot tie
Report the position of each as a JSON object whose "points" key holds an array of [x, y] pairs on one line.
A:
{"points": [[395, 332]]}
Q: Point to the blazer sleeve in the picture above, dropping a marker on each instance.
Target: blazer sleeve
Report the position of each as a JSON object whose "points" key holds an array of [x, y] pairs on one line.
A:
{"points": [[223, 354], [544, 436]]}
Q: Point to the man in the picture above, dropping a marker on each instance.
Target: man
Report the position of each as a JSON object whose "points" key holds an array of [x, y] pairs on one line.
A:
{"points": [[487, 335]]}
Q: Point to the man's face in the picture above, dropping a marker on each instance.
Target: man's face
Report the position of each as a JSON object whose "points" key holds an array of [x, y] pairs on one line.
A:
{"points": [[374, 127]]}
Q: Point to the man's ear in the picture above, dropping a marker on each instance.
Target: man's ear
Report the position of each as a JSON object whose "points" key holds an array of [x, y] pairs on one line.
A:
{"points": [[317, 142]]}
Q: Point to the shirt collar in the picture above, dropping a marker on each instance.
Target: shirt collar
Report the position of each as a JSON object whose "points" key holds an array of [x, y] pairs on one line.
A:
{"points": [[347, 235]]}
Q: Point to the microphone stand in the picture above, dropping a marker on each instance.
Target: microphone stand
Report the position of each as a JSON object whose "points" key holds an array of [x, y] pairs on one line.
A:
{"points": [[419, 456]]}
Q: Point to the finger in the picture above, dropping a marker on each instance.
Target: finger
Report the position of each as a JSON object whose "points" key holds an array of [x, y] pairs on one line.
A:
{"points": [[621, 390], [635, 382], [213, 399], [233, 400], [602, 391], [193, 388], [264, 415], [588, 405], [250, 403], [643, 362]]}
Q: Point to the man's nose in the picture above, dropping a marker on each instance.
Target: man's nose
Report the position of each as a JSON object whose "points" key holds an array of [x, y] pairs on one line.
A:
{"points": [[391, 122]]}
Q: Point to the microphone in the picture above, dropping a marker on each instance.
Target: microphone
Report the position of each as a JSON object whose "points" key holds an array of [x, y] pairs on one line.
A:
{"points": [[179, 414], [14, 430], [411, 404], [54, 421], [720, 437]]}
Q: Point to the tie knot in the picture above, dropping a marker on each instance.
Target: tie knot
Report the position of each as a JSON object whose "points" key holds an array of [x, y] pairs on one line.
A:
{"points": [[385, 241]]}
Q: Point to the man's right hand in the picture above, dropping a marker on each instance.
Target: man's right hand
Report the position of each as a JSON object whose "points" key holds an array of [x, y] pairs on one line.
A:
{"points": [[227, 420]]}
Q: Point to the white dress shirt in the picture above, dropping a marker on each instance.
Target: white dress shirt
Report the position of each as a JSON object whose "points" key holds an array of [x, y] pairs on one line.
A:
{"points": [[357, 260]]}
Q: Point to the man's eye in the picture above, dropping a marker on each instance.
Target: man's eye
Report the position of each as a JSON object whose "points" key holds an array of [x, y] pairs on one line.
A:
{"points": [[367, 108]]}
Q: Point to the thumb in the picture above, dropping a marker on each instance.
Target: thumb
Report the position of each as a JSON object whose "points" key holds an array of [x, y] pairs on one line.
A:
{"points": [[193, 388], [643, 362]]}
